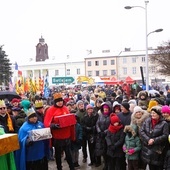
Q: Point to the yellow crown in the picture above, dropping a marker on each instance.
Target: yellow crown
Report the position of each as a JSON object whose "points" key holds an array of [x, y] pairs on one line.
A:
{"points": [[2, 103], [57, 96], [38, 103]]}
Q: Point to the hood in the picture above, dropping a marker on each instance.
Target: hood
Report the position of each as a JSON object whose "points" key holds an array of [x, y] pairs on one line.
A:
{"points": [[131, 128], [115, 103], [108, 104]]}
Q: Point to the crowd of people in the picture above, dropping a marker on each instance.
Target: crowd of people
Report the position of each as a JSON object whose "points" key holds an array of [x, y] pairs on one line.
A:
{"points": [[115, 129]]}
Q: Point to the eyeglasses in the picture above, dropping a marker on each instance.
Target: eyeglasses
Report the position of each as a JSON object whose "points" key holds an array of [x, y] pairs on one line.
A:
{"points": [[2, 108]]}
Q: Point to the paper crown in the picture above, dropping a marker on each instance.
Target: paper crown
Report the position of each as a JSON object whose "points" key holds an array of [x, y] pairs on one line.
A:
{"points": [[38, 103], [2, 103], [30, 112], [57, 96]]}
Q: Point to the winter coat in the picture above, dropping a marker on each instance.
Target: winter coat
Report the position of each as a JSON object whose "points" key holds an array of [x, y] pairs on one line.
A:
{"points": [[154, 154], [132, 142], [125, 118], [102, 125], [89, 125], [20, 118], [76, 145], [114, 143]]}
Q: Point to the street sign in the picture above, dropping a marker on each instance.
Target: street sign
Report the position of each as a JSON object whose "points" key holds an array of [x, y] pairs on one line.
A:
{"points": [[56, 80]]}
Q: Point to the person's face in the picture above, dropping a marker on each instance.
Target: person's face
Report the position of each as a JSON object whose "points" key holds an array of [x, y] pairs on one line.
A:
{"points": [[117, 111], [116, 124], [3, 110], [59, 103], [15, 104], [105, 109], [69, 107], [98, 104], [81, 106], [138, 115], [89, 111], [123, 109], [165, 115], [33, 119], [154, 115], [41, 110]]}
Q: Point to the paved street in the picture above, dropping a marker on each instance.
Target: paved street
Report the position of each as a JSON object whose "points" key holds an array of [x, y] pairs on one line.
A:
{"points": [[83, 166]]}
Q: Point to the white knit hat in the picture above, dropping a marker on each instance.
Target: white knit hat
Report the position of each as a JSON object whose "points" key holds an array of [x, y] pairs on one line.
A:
{"points": [[137, 109]]}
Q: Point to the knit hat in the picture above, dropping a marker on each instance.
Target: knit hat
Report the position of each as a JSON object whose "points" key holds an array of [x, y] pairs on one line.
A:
{"points": [[79, 102], [126, 105], [105, 106], [31, 113], [156, 109], [151, 104], [114, 118], [137, 109], [15, 100], [165, 109], [89, 106], [57, 97]]}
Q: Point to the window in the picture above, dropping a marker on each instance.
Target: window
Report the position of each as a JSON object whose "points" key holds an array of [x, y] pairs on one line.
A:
{"points": [[112, 72], [153, 69], [68, 72], [56, 72], [133, 59], [97, 73], [104, 72], [112, 62], [104, 62], [143, 59], [89, 63], [124, 60], [133, 70], [124, 70], [78, 70], [96, 63], [89, 73], [39, 51]]}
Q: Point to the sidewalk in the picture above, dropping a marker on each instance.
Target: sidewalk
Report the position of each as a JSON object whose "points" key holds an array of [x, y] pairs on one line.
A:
{"points": [[83, 166]]}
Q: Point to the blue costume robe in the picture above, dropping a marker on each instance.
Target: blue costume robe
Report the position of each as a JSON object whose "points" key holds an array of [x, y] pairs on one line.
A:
{"points": [[37, 151]]}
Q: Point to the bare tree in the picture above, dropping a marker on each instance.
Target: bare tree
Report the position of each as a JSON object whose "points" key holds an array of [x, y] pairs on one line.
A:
{"points": [[161, 58]]}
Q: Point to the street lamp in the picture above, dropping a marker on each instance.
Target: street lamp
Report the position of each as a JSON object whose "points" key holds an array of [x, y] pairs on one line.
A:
{"points": [[146, 36]]}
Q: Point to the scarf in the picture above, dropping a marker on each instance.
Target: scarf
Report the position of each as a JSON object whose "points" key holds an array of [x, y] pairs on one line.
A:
{"points": [[9, 123], [154, 122], [114, 129]]}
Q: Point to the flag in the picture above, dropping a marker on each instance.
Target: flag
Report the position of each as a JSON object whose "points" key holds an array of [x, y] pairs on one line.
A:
{"points": [[11, 87], [46, 89], [16, 66], [19, 73]]}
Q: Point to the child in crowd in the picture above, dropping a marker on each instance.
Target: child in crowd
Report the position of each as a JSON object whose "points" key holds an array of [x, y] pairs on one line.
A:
{"points": [[76, 145], [132, 146]]}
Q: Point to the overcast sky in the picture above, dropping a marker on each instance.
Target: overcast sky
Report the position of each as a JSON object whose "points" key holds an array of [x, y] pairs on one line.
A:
{"points": [[70, 27]]}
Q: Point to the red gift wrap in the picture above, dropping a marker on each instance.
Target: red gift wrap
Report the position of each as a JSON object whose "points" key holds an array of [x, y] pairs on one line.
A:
{"points": [[65, 120]]}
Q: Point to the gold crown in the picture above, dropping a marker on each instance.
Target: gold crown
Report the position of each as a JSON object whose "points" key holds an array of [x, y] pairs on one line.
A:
{"points": [[57, 96], [2, 103], [38, 103]]}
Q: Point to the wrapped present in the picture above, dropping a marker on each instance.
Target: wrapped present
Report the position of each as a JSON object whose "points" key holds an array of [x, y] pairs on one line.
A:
{"points": [[65, 120], [40, 134], [8, 143]]}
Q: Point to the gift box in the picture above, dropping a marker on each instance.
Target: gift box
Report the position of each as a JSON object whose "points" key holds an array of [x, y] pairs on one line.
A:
{"points": [[8, 143], [65, 120], [40, 134]]}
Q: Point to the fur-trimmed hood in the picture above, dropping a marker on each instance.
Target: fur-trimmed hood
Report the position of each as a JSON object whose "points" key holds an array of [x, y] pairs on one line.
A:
{"points": [[140, 121], [132, 129]]}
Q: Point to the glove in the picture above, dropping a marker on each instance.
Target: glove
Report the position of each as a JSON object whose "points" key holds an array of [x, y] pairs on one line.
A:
{"points": [[29, 142], [125, 149], [54, 126], [131, 151]]}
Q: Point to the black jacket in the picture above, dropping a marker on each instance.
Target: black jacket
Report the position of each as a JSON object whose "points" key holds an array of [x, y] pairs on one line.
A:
{"points": [[154, 154]]}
